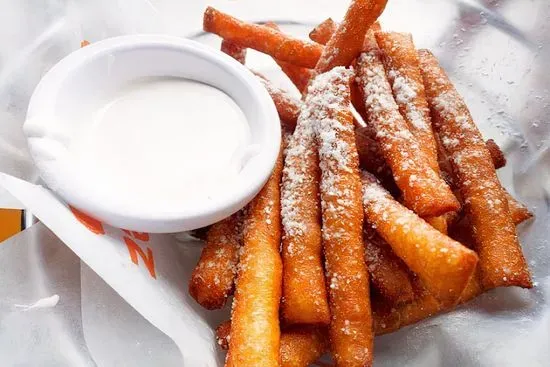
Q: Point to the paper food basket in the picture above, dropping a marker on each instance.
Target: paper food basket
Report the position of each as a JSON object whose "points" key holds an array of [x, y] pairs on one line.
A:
{"points": [[74, 292]]}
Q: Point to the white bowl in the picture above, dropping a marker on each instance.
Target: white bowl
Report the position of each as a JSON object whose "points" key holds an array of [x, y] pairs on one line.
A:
{"points": [[86, 74]]}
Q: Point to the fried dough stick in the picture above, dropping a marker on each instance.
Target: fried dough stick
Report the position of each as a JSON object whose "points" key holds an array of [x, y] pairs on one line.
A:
{"points": [[365, 136], [497, 156], [389, 275], [403, 71], [234, 50], [501, 259], [213, 277], [255, 334], [304, 288], [323, 31], [299, 75], [287, 106], [425, 305], [347, 41], [350, 329], [263, 39], [518, 211], [300, 345], [444, 265], [423, 190]]}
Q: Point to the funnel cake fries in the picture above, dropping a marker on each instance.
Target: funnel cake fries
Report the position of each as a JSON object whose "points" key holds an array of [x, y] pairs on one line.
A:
{"points": [[497, 156], [322, 32], [212, 280], [300, 76], [389, 275], [347, 41], [255, 332], [501, 259], [322, 232], [424, 305], [350, 329], [444, 265], [423, 190], [300, 345], [304, 288], [287, 106], [403, 72], [519, 212], [261, 38]]}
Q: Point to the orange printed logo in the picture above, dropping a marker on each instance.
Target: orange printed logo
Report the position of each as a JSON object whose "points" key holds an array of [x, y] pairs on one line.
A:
{"points": [[142, 236], [147, 259], [96, 227], [92, 224]]}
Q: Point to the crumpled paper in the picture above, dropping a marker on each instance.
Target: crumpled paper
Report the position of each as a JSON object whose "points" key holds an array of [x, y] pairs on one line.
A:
{"points": [[110, 311]]}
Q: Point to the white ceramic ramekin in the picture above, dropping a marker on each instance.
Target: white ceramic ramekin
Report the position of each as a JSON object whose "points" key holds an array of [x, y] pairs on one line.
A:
{"points": [[76, 82]]}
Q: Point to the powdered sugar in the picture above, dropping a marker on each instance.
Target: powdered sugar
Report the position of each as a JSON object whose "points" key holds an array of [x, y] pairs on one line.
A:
{"points": [[327, 100], [405, 93], [299, 155]]}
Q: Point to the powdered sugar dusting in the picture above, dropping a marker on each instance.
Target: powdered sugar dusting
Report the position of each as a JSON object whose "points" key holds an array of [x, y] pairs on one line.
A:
{"points": [[405, 93], [501, 259], [327, 104], [299, 154], [328, 96], [400, 147]]}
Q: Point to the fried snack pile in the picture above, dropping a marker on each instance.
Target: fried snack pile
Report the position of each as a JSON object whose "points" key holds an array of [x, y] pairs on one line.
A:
{"points": [[360, 230]]}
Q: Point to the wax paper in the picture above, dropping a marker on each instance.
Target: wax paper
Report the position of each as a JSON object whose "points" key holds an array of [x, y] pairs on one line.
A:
{"points": [[70, 296]]}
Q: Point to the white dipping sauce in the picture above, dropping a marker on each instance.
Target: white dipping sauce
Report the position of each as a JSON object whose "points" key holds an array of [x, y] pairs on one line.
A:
{"points": [[162, 141]]}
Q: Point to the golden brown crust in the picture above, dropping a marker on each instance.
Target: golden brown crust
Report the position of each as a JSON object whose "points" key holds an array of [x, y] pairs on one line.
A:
{"points": [[223, 332], [389, 275], [304, 288], [501, 259], [298, 75], [423, 190], [351, 324], [497, 155], [347, 41], [255, 331], [444, 265], [301, 345], [261, 38], [387, 320], [403, 72], [323, 31], [212, 279]]}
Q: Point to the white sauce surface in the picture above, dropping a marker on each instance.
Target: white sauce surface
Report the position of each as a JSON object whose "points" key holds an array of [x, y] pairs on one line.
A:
{"points": [[162, 141]]}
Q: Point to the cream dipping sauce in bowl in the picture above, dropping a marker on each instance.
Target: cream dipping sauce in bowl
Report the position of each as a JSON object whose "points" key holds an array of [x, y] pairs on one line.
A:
{"points": [[153, 133]]}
